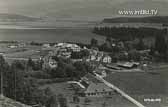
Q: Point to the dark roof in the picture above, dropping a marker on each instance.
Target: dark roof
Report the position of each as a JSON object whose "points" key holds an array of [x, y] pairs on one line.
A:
{"points": [[91, 78], [99, 87]]}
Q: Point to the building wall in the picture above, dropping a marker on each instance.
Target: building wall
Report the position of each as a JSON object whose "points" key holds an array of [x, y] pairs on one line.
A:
{"points": [[99, 94]]}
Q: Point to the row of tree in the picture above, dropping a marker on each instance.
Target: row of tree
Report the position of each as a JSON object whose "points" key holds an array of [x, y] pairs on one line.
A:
{"points": [[18, 85], [159, 48], [67, 69], [126, 33]]}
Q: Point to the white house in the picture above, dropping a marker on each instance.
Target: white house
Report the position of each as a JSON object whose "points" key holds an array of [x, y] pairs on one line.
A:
{"points": [[106, 59], [99, 56], [13, 46], [46, 45], [92, 57], [52, 63]]}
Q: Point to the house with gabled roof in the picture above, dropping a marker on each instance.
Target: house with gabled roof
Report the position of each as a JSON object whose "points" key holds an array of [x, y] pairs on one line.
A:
{"points": [[98, 90], [94, 87]]}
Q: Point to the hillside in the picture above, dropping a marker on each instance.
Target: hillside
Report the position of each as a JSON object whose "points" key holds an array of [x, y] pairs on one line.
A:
{"points": [[151, 19], [16, 18]]}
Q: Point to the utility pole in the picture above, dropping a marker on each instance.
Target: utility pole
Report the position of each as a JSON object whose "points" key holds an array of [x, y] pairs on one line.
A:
{"points": [[1, 85], [1, 72]]}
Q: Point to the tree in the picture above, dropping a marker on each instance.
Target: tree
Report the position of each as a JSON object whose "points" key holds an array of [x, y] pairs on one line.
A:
{"points": [[18, 64], [80, 55], [140, 45], [104, 104], [19, 86], [86, 101], [85, 53], [62, 100], [108, 42], [82, 68], [30, 64], [160, 44], [70, 70], [76, 99], [94, 42], [3, 64], [134, 55], [4, 67], [47, 98], [52, 101], [152, 50]]}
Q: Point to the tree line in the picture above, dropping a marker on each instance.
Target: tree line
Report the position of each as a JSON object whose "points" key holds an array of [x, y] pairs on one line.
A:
{"points": [[127, 33], [20, 85], [132, 40]]}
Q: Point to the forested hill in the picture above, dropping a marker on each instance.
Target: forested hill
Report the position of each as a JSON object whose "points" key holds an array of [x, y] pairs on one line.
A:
{"points": [[151, 19], [127, 34]]}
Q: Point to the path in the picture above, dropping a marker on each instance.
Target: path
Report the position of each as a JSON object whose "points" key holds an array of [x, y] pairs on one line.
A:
{"points": [[138, 104]]}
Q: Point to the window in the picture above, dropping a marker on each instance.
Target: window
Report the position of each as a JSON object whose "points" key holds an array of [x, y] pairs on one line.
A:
{"points": [[88, 94]]}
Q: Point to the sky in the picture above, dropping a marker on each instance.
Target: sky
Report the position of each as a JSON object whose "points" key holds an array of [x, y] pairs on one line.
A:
{"points": [[72, 8]]}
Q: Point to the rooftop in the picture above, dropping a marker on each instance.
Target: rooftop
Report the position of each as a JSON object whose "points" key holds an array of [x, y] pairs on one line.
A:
{"points": [[99, 87]]}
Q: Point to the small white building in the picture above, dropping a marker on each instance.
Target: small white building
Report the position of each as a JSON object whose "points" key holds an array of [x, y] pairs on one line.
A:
{"points": [[52, 63], [92, 57], [107, 59], [13, 46], [99, 56], [46, 45]]}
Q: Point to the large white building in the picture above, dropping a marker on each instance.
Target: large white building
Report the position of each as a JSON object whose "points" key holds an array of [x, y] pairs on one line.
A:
{"points": [[73, 47]]}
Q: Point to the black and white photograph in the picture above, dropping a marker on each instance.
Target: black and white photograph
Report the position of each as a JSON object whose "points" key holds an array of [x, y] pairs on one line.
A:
{"points": [[83, 53]]}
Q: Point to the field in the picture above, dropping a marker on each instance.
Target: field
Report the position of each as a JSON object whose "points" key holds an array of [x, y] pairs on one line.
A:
{"points": [[139, 85], [64, 88], [59, 88], [143, 85], [22, 53]]}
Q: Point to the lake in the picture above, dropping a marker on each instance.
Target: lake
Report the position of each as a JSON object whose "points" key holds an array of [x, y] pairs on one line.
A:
{"points": [[82, 35]]}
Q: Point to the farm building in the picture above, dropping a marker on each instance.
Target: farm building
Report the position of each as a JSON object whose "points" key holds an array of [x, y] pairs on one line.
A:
{"points": [[98, 90], [94, 88]]}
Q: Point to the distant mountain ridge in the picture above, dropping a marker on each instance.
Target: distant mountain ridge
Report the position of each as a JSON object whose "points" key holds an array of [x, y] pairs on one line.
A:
{"points": [[150, 19], [83, 9], [5, 17]]}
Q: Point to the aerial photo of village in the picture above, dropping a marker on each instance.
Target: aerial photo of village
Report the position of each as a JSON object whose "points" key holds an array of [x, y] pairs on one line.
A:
{"points": [[83, 53]]}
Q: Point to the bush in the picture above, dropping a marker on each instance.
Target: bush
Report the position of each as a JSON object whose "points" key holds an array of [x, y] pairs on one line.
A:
{"points": [[40, 75], [55, 80]]}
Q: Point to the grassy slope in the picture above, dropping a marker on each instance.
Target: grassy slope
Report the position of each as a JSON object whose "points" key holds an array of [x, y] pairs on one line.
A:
{"points": [[143, 85]]}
